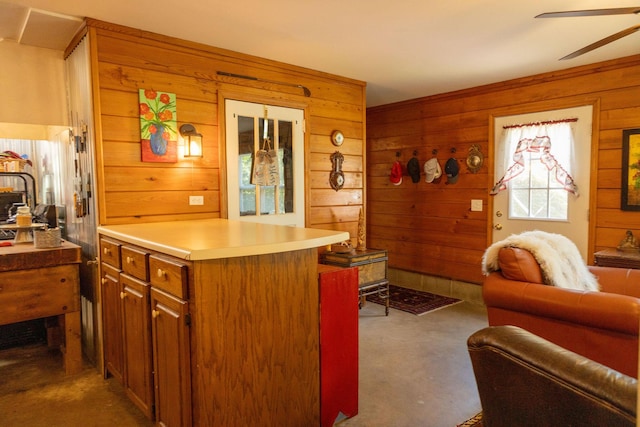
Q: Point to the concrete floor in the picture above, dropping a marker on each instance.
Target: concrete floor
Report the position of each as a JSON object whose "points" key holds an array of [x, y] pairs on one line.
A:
{"points": [[414, 371], [35, 392]]}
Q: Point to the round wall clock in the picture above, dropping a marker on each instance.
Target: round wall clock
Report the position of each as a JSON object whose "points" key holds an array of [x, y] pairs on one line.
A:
{"points": [[337, 138]]}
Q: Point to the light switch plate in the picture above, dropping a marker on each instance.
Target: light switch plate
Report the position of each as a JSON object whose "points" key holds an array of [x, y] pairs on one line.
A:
{"points": [[196, 200], [476, 205]]}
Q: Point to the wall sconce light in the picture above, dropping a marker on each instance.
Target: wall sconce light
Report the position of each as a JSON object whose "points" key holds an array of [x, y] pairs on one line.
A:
{"points": [[192, 140]]}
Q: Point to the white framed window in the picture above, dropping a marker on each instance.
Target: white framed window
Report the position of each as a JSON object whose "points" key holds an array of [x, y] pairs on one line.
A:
{"points": [[245, 133], [536, 192]]}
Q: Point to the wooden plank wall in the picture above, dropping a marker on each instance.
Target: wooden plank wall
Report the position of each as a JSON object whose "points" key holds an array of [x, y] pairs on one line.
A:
{"points": [[429, 228], [125, 60]]}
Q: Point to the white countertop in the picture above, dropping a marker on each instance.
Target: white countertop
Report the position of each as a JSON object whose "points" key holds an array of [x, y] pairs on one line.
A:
{"points": [[221, 238]]}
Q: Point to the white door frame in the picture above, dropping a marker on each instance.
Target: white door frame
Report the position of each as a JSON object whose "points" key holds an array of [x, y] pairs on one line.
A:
{"points": [[585, 190], [254, 109]]}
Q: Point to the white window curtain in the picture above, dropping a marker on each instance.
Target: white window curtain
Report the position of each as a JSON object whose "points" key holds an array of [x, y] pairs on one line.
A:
{"points": [[554, 142], [45, 158]]}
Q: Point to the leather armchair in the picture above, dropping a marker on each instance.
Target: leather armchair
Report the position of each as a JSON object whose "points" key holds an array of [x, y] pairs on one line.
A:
{"points": [[602, 326], [524, 380]]}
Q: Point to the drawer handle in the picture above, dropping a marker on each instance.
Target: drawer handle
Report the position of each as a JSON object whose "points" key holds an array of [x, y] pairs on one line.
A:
{"points": [[129, 260], [123, 295], [155, 313], [106, 251], [160, 273]]}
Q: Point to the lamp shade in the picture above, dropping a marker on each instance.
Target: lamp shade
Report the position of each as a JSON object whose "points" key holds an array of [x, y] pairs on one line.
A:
{"points": [[192, 140]]}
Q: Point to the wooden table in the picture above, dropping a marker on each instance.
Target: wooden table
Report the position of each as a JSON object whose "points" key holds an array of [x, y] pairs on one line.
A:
{"points": [[615, 258], [40, 283]]}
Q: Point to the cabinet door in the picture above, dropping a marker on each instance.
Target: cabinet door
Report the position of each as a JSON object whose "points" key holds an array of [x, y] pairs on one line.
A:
{"points": [[112, 321], [171, 362], [136, 318]]}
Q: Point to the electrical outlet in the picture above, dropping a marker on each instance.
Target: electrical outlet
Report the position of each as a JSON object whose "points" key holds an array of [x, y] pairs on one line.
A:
{"points": [[476, 205], [196, 200]]}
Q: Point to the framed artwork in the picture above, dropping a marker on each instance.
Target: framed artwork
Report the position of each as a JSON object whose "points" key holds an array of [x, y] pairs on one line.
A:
{"points": [[158, 126], [630, 199]]}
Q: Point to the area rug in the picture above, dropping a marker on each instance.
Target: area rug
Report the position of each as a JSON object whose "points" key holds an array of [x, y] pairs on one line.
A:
{"points": [[413, 301], [472, 422]]}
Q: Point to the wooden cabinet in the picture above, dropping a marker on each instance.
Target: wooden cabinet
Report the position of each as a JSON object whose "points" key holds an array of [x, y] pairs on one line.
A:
{"points": [[146, 329], [372, 271], [136, 333], [38, 283], [171, 359], [236, 332], [112, 321], [616, 258]]}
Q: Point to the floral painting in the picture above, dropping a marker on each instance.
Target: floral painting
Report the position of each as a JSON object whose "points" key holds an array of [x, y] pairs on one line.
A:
{"points": [[630, 170], [158, 126]]}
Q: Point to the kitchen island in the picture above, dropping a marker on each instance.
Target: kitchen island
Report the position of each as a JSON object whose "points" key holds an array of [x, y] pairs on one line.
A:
{"points": [[215, 322]]}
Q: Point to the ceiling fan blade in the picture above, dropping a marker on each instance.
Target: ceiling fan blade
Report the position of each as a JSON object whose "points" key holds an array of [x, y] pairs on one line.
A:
{"points": [[602, 42], [592, 12]]}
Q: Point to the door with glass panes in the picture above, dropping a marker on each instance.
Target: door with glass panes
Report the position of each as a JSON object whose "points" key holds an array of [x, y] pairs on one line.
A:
{"points": [[248, 126], [535, 199]]}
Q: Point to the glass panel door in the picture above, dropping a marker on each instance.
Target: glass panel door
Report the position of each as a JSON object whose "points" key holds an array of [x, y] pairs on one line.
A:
{"points": [[252, 127], [534, 200]]}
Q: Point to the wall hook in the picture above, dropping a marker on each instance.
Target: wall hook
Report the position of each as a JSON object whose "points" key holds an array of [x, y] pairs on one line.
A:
{"points": [[415, 152], [434, 152], [453, 150]]}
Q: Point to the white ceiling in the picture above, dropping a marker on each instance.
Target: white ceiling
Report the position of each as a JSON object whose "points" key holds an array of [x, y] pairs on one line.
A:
{"points": [[403, 49]]}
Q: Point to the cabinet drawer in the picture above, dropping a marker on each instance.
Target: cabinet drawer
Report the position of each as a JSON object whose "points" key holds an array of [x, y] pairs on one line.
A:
{"points": [[170, 275], [135, 262], [110, 252]]}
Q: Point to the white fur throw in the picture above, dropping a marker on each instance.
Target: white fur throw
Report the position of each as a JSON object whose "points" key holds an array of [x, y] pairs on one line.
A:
{"points": [[559, 259]]}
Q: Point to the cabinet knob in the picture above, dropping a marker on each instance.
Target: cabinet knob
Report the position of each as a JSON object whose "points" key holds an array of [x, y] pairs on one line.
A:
{"points": [[160, 273], [123, 295], [129, 260], [104, 281], [155, 313], [106, 251]]}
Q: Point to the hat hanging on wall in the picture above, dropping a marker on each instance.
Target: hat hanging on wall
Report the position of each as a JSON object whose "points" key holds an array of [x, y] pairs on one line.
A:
{"points": [[452, 170], [432, 170], [396, 173], [413, 168]]}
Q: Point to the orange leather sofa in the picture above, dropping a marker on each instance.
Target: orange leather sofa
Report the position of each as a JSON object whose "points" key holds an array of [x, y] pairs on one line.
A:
{"points": [[602, 326]]}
